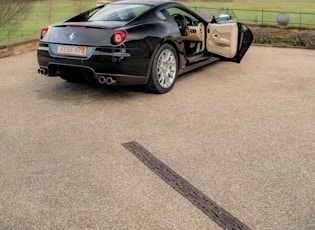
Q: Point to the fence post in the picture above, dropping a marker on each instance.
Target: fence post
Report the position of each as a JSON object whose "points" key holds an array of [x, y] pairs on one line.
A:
{"points": [[300, 20], [262, 18]]}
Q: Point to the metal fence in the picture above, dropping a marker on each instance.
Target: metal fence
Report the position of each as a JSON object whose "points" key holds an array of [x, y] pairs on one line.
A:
{"points": [[257, 17], [266, 17]]}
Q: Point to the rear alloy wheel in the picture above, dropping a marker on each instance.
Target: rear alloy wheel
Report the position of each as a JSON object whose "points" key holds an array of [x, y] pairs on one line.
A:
{"points": [[164, 70]]}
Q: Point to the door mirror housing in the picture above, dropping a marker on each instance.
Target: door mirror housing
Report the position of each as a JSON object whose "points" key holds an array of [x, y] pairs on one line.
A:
{"points": [[224, 17]]}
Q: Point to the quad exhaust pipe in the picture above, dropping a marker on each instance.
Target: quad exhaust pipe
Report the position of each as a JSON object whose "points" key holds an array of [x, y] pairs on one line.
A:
{"points": [[107, 80], [102, 79], [42, 71]]}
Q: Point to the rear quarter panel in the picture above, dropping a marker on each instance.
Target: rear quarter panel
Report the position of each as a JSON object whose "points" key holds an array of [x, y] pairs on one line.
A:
{"points": [[143, 41]]}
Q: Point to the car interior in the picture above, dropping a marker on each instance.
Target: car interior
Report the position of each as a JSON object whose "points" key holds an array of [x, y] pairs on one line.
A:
{"points": [[218, 37], [191, 29]]}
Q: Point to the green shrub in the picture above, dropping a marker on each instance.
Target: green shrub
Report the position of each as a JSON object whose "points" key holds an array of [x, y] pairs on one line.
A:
{"points": [[303, 38], [262, 36], [280, 36]]}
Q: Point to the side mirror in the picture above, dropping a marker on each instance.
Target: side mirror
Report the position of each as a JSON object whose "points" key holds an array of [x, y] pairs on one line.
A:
{"points": [[224, 17]]}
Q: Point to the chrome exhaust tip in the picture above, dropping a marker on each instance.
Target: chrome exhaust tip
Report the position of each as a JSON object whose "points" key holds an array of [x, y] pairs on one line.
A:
{"points": [[102, 80], [42, 71], [107, 80], [110, 81]]}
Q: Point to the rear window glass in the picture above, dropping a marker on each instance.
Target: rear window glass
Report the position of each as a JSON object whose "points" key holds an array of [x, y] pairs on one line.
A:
{"points": [[119, 12]]}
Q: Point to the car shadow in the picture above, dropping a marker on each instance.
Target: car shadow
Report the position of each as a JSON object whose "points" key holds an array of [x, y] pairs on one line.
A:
{"points": [[59, 90], [85, 93]]}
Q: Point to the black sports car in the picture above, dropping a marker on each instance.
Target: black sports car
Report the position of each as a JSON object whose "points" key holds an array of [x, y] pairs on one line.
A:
{"points": [[133, 42]]}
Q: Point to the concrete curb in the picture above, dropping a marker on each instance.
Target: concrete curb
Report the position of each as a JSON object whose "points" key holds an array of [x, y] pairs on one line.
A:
{"points": [[19, 46]]}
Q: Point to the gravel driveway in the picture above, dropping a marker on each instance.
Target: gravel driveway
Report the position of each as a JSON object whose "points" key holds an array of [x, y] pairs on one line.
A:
{"points": [[244, 135]]}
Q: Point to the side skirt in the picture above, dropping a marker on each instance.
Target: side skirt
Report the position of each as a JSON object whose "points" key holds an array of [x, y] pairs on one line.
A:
{"points": [[189, 68]]}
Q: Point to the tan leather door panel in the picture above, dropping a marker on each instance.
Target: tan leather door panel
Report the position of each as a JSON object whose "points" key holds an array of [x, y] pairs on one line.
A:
{"points": [[222, 39]]}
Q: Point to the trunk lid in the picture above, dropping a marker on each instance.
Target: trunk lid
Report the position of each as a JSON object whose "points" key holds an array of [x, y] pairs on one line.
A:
{"points": [[83, 33]]}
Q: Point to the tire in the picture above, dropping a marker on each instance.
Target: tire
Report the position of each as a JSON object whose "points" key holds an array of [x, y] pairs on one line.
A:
{"points": [[164, 70]]}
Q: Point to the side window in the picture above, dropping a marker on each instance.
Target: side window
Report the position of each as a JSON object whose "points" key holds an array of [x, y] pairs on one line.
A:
{"points": [[173, 11], [160, 15], [182, 15]]}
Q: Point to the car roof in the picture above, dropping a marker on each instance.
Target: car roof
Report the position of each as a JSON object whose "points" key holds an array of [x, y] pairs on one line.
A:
{"points": [[148, 2]]}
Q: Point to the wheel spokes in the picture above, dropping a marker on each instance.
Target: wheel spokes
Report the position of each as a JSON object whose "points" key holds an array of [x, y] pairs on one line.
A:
{"points": [[166, 68]]}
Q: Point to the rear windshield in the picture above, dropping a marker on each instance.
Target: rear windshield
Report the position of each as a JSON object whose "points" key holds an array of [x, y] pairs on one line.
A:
{"points": [[119, 12]]}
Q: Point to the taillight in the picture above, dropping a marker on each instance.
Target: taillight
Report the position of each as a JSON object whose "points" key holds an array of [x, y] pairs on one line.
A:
{"points": [[43, 32], [118, 37]]}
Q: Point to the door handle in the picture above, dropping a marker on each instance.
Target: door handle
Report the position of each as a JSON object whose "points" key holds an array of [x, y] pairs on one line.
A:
{"points": [[218, 39]]}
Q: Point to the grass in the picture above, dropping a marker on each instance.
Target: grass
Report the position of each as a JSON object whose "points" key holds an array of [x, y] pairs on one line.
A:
{"points": [[46, 12], [285, 5], [302, 13]]}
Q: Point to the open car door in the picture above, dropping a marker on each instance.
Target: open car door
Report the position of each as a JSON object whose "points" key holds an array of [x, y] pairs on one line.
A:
{"points": [[229, 40]]}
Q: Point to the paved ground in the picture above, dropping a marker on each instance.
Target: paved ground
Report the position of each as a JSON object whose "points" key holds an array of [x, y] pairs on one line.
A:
{"points": [[243, 134]]}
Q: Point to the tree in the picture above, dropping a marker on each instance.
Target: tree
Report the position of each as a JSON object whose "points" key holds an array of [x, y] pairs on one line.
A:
{"points": [[13, 13]]}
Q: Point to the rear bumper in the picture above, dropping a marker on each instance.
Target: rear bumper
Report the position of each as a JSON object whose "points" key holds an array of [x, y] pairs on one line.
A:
{"points": [[127, 66]]}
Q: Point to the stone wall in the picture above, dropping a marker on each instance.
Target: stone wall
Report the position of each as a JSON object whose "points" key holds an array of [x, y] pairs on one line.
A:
{"points": [[19, 46]]}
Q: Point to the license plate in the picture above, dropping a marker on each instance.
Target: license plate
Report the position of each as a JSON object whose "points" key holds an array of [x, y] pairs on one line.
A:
{"points": [[72, 50]]}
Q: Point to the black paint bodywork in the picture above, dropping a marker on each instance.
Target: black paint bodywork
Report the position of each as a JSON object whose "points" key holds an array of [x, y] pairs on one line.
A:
{"points": [[130, 62]]}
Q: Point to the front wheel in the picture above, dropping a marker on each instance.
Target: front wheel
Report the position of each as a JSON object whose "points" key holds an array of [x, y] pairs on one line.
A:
{"points": [[164, 70]]}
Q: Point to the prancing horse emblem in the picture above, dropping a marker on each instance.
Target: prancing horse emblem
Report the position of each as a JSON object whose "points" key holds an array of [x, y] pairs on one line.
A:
{"points": [[71, 36]]}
